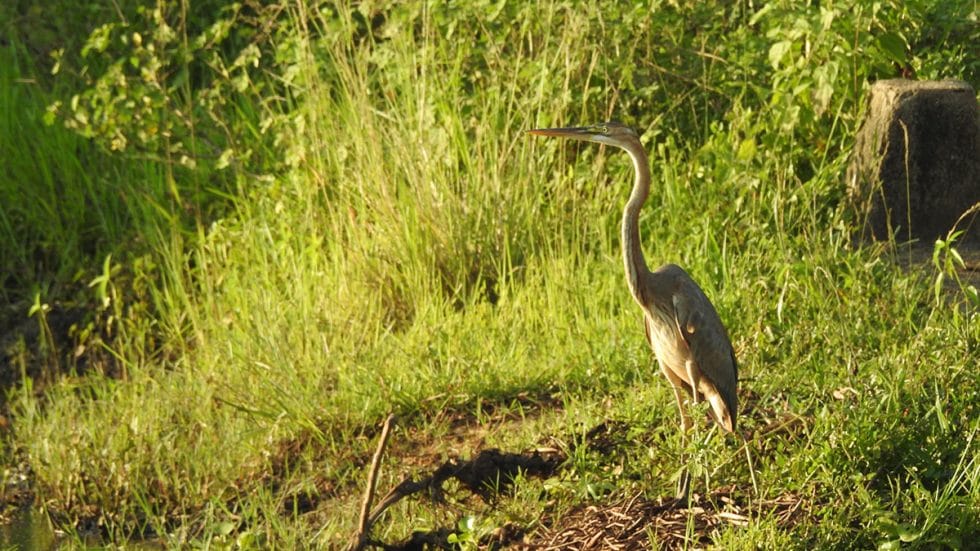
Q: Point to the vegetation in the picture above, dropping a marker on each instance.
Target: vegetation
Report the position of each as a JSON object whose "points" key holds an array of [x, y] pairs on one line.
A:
{"points": [[234, 237]]}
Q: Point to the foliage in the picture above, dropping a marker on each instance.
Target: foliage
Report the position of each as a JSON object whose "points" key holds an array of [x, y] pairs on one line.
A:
{"points": [[175, 82]]}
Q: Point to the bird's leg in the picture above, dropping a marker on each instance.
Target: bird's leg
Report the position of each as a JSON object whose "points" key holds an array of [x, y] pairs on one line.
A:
{"points": [[694, 379], [684, 482]]}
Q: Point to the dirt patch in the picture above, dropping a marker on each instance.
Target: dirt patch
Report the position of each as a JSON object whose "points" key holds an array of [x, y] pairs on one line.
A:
{"points": [[489, 474], [606, 437], [39, 346], [16, 493], [418, 447], [628, 523], [637, 522], [492, 471], [414, 447]]}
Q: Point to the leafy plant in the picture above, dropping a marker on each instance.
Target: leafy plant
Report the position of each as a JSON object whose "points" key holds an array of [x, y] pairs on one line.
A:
{"points": [[173, 82]]}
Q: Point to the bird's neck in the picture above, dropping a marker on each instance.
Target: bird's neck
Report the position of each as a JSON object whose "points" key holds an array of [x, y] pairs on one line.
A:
{"points": [[636, 266]]}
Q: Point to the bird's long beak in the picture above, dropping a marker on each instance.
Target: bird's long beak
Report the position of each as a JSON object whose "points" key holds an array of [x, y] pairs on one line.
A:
{"points": [[580, 132]]}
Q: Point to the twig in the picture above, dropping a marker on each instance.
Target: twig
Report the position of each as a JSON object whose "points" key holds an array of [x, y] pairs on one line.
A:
{"points": [[367, 520]]}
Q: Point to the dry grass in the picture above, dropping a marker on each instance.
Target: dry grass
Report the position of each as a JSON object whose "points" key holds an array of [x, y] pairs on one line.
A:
{"points": [[639, 523]]}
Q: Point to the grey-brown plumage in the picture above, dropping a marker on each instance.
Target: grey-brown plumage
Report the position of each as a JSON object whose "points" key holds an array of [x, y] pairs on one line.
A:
{"points": [[682, 326]]}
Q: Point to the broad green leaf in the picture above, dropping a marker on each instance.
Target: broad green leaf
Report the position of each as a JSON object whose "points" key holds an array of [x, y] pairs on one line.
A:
{"points": [[759, 14], [746, 149], [936, 249], [778, 51], [956, 256], [972, 294], [894, 46], [908, 533]]}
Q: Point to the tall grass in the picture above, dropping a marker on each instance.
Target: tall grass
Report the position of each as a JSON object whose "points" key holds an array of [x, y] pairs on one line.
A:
{"points": [[46, 225], [417, 254]]}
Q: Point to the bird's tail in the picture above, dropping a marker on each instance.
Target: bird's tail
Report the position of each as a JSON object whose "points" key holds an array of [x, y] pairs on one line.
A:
{"points": [[723, 412]]}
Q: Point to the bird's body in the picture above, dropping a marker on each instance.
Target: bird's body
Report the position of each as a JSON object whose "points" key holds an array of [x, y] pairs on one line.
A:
{"points": [[691, 343], [682, 326]]}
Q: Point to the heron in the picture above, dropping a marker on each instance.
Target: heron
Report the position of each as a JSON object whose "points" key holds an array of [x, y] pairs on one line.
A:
{"points": [[682, 326]]}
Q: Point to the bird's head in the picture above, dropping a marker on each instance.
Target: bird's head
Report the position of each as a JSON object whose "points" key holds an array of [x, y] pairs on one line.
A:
{"points": [[609, 133]]}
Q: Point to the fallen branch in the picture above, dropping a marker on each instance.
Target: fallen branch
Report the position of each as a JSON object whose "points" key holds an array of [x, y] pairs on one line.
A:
{"points": [[364, 526]]}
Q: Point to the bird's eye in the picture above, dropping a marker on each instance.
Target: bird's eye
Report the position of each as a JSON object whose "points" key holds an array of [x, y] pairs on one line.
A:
{"points": [[603, 129]]}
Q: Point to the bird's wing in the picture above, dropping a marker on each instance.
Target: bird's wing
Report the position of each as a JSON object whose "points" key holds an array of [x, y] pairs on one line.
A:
{"points": [[702, 330]]}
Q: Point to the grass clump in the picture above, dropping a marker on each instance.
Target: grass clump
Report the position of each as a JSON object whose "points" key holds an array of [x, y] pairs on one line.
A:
{"points": [[369, 231]]}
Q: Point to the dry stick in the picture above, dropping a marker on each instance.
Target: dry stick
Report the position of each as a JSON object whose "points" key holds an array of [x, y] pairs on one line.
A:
{"points": [[364, 526], [404, 489]]}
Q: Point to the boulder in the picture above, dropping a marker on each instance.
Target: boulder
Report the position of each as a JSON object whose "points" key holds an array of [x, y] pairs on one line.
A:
{"points": [[915, 168]]}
